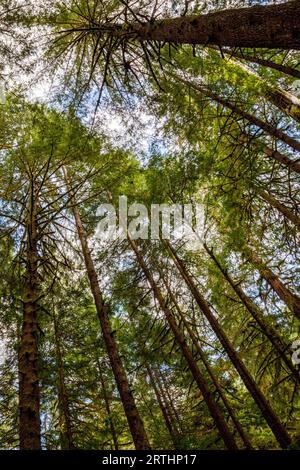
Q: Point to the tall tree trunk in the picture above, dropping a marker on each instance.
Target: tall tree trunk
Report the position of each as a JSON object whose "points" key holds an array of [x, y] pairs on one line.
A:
{"points": [[265, 62], [283, 159], [273, 26], [285, 211], [268, 128], [107, 407], [168, 399], [270, 416], [29, 394], [135, 422], [199, 379], [289, 298], [271, 333], [66, 433], [169, 426], [214, 379], [288, 103]]}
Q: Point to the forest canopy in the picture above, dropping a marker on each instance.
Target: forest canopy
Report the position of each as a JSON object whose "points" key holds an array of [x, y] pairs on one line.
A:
{"points": [[116, 333]]}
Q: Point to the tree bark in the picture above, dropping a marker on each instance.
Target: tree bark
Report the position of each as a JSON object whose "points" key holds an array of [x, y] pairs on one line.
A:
{"points": [[214, 379], [268, 128], [107, 407], [67, 442], [164, 411], [271, 333], [268, 413], [273, 26], [283, 159], [135, 422], [289, 298], [285, 211], [29, 393], [207, 395]]}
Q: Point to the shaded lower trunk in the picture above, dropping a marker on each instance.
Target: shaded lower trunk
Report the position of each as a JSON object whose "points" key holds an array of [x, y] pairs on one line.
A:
{"points": [[107, 407], [66, 434], [198, 377], [270, 416], [135, 422], [268, 330], [29, 393], [164, 411], [289, 298], [214, 379]]}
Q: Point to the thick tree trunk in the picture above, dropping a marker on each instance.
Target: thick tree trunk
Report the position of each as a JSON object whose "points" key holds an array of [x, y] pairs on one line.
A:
{"points": [[66, 433], [268, 128], [274, 26], [29, 394], [285, 211], [270, 416], [207, 395], [107, 407], [289, 298], [214, 379], [163, 409], [271, 333], [135, 422]]}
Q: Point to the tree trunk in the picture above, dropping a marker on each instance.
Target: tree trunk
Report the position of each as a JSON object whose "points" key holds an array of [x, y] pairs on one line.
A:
{"points": [[273, 26], [265, 62], [63, 398], [271, 333], [29, 394], [283, 159], [207, 395], [270, 416], [214, 379], [135, 422], [268, 128], [164, 411], [289, 298], [107, 407], [288, 103], [285, 211], [168, 400]]}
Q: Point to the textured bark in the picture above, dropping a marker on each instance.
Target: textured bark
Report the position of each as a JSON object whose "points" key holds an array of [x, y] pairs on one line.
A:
{"points": [[29, 394], [107, 407], [268, 413], [135, 422], [285, 211], [270, 332], [214, 379], [268, 128], [274, 26], [198, 377], [66, 434], [289, 298], [169, 425]]}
